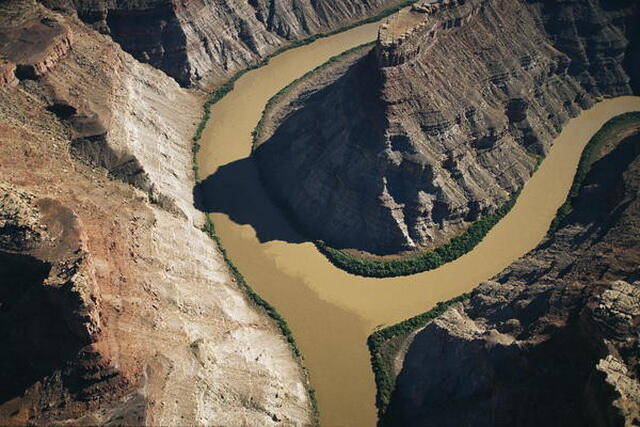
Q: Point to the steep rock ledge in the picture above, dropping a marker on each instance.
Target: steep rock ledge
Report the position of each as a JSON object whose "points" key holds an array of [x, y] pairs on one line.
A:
{"points": [[206, 41], [33, 46], [49, 313], [552, 340], [446, 117]]}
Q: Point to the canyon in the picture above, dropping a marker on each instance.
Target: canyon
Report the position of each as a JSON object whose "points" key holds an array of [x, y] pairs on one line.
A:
{"points": [[443, 120], [132, 294], [327, 308], [115, 307], [203, 42], [556, 330]]}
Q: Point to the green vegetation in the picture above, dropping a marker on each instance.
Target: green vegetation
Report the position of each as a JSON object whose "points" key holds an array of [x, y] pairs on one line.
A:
{"points": [[448, 252], [589, 155], [384, 345], [209, 228]]}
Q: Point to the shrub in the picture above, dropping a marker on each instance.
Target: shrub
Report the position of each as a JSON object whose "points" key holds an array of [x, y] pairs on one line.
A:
{"points": [[431, 260], [382, 362]]}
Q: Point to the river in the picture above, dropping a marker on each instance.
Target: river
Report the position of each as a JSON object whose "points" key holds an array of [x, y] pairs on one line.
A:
{"points": [[330, 312]]}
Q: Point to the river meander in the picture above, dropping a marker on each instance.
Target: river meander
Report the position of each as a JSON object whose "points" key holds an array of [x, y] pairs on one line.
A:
{"points": [[331, 312]]}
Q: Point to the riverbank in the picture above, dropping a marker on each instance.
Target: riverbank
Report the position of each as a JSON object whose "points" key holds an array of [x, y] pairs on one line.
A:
{"points": [[388, 345], [426, 261], [363, 266], [209, 227], [621, 124]]}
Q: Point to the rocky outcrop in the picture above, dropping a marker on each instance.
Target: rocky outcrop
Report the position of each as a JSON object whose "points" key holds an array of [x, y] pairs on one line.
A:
{"points": [[7, 73], [113, 124], [443, 120], [206, 41], [33, 47], [115, 307], [553, 339], [49, 310]]}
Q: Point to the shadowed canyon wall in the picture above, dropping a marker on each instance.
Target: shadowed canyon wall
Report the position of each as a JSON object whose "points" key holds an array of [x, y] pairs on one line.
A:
{"points": [[445, 118], [552, 340], [206, 41]]}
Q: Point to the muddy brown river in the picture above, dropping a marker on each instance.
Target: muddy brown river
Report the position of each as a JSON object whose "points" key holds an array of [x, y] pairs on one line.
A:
{"points": [[331, 312]]}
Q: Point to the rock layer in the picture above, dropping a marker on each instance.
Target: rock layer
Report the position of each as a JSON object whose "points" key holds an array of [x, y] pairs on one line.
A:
{"points": [[115, 307], [206, 41], [445, 119], [552, 340], [34, 47], [50, 311]]}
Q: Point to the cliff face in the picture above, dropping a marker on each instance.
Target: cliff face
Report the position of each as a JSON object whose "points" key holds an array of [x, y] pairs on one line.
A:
{"points": [[206, 41], [445, 118], [114, 306], [552, 340], [50, 307]]}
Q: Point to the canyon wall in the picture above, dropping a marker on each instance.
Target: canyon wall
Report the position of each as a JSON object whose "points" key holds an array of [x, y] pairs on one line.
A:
{"points": [[553, 339], [206, 41], [446, 117], [115, 308]]}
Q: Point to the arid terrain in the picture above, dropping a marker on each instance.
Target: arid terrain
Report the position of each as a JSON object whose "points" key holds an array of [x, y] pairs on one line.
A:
{"points": [[120, 299], [557, 330], [116, 308], [205, 41], [444, 119]]}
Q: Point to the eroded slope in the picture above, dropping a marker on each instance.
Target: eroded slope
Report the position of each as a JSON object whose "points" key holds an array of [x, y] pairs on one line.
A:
{"points": [[552, 340], [206, 41], [444, 119], [115, 307]]}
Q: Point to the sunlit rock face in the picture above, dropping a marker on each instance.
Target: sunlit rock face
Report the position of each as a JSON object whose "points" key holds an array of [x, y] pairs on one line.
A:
{"points": [[205, 41], [444, 119], [115, 308]]}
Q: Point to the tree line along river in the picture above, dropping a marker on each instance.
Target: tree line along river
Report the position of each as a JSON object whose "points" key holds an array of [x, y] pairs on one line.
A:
{"points": [[331, 312]]}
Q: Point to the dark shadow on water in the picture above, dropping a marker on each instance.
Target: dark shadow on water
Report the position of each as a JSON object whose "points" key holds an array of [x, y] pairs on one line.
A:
{"points": [[235, 189]]}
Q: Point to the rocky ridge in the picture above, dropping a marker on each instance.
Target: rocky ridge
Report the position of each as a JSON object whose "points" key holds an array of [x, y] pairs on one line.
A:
{"points": [[108, 130], [116, 307], [552, 340], [206, 41], [444, 119], [47, 268], [33, 49]]}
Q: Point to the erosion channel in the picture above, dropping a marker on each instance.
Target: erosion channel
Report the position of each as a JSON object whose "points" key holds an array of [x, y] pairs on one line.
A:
{"points": [[331, 312]]}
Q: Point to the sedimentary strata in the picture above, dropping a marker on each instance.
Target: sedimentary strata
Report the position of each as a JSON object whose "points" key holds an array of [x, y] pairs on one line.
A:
{"points": [[114, 306], [444, 119], [35, 46], [205, 41], [553, 339]]}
